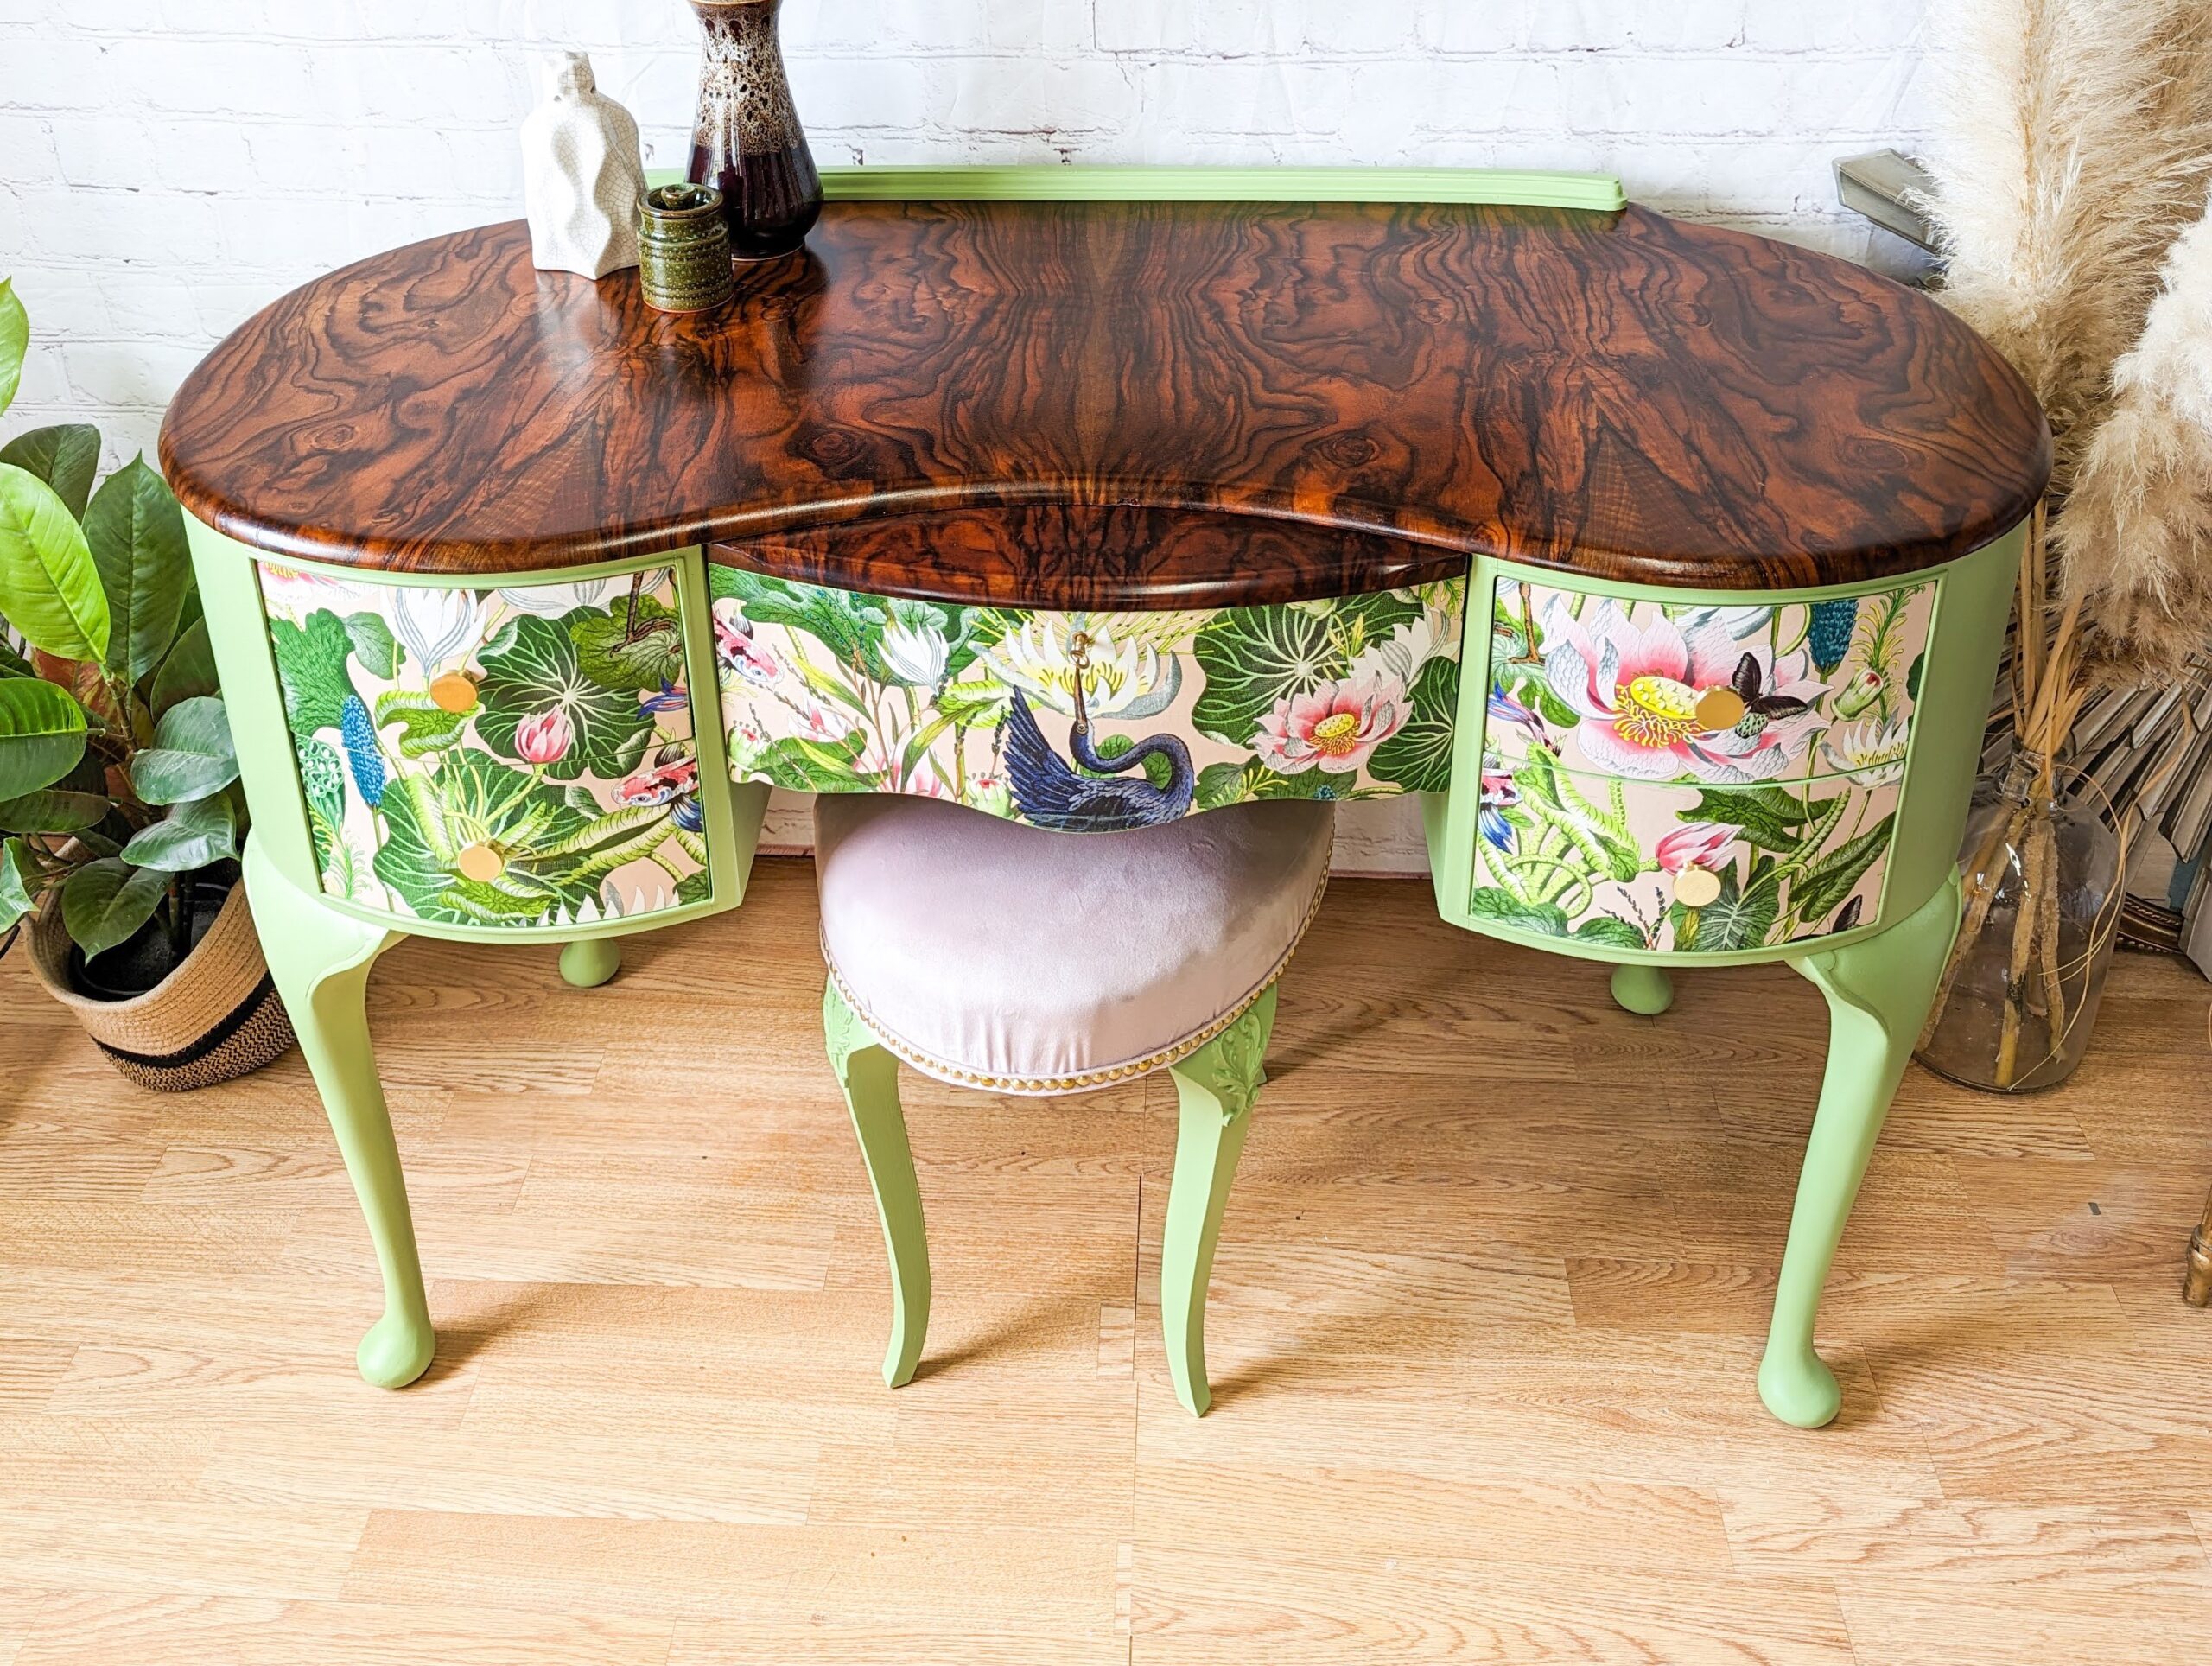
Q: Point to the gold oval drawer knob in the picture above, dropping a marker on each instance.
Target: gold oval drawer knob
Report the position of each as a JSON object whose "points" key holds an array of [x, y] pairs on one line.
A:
{"points": [[1696, 886]]}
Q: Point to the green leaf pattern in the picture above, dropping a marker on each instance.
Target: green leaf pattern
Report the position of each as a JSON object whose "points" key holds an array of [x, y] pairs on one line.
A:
{"points": [[534, 746], [835, 691]]}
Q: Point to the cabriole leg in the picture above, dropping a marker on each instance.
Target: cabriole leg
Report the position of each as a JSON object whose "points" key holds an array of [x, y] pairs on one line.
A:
{"points": [[869, 1075], [1879, 992], [320, 959], [1216, 1085]]}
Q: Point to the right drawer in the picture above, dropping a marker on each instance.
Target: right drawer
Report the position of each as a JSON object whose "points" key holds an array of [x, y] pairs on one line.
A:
{"points": [[1695, 777]]}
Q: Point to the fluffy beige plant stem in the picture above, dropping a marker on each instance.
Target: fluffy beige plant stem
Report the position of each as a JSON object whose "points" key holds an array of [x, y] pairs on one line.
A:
{"points": [[2136, 539]]}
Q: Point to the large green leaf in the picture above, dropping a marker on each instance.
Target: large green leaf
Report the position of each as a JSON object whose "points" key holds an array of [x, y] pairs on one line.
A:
{"points": [[136, 535], [1737, 919], [65, 456], [473, 800], [846, 622], [49, 587], [104, 902], [533, 668], [1489, 902], [804, 765], [1822, 887], [53, 809], [41, 734], [1770, 818], [190, 837], [425, 726], [1241, 782], [15, 339], [18, 889], [192, 755], [311, 666], [188, 672], [1252, 657], [374, 644], [1419, 756], [614, 654], [1614, 932]]}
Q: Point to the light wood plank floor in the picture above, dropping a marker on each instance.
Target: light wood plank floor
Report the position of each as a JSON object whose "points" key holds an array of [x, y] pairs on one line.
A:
{"points": [[1484, 1329]]}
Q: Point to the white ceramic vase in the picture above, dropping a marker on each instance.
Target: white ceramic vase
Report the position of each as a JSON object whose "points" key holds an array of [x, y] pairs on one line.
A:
{"points": [[581, 176]]}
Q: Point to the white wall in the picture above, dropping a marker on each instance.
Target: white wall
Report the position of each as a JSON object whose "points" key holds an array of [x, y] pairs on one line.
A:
{"points": [[168, 166]]}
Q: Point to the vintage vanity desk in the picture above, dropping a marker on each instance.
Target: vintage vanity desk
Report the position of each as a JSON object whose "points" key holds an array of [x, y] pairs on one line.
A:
{"points": [[1669, 564]]}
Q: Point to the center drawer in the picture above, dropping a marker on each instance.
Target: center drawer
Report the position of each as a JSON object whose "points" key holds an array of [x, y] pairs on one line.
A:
{"points": [[1694, 777]]}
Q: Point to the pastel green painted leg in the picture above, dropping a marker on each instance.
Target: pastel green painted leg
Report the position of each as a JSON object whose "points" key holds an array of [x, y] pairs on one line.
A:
{"points": [[320, 959], [869, 1075], [589, 962], [1879, 992], [1216, 1085], [1645, 990]]}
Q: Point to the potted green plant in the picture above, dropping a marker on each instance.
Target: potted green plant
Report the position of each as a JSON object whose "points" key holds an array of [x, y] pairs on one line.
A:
{"points": [[121, 817]]}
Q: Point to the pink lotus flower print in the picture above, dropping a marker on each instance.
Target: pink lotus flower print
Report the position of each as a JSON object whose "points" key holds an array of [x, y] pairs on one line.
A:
{"points": [[546, 737], [1696, 844], [1654, 701], [1332, 727]]}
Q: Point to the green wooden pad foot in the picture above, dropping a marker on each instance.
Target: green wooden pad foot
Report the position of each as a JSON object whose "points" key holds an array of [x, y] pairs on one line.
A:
{"points": [[1645, 990], [1879, 991], [1799, 1389], [590, 963], [1217, 1086], [397, 1350], [869, 1075]]}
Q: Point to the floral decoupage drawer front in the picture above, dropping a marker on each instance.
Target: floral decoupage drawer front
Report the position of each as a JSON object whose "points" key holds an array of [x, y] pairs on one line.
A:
{"points": [[1087, 722], [493, 757], [1690, 777]]}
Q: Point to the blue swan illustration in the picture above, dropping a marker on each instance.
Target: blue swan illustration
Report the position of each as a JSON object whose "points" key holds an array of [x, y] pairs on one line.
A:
{"points": [[1050, 794]]}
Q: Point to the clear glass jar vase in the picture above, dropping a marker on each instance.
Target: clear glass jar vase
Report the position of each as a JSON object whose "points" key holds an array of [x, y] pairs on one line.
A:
{"points": [[2041, 875]]}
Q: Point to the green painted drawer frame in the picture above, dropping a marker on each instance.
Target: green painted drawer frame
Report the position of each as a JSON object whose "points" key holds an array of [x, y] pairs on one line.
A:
{"points": [[254, 696], [1951, 711]]}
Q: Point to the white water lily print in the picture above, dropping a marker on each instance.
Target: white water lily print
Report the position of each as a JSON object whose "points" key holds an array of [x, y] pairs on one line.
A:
{"points": [[436, 626], [1087, 721], [1869, 751]]}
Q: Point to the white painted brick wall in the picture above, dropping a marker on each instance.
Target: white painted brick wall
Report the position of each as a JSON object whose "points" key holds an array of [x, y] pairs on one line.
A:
{"points": [[168, 166]]}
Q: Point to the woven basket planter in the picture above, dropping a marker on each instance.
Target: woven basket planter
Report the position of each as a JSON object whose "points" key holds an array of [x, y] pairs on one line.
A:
{"points": [[215, 1018]]}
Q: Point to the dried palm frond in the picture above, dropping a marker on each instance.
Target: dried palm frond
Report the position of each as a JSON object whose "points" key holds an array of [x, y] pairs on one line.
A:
{"points": [[2136, 538], [2073, 141]]}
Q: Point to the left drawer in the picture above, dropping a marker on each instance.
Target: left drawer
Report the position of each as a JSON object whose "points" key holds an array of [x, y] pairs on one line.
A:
{"points": [[519, 758]]}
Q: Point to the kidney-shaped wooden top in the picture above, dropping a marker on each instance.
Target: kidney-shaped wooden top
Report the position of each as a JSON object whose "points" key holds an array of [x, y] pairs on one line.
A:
{"points": [[1128, 404]]}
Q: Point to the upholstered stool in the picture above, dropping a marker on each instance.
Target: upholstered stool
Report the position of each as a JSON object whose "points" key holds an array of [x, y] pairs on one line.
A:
{"points": [[994, 955]]}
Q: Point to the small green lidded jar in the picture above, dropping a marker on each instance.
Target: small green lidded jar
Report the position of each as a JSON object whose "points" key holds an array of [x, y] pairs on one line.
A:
{"points": [[684, 263]]}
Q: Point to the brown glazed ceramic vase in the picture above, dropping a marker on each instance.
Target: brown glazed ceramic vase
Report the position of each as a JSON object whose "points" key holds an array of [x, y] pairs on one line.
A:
{"points": [[747, 141]]}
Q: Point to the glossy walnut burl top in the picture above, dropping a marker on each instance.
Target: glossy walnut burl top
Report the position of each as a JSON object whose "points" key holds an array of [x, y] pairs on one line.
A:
{"points": [[1128, 404]]}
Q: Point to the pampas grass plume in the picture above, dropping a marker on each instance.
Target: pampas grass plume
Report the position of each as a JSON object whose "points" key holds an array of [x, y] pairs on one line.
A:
{"points": [[2073, 141], [2137, 533]]}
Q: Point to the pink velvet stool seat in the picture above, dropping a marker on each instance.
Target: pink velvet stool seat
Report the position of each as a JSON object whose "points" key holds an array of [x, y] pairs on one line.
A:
{"points": [[996, 955]]}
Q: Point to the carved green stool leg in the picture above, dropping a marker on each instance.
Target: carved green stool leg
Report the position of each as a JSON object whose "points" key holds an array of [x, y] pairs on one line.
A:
{"points": [[1879, 992], [1216, 1085], [869, 1075], [590, 962], [1645, 990], [320, 959]]}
